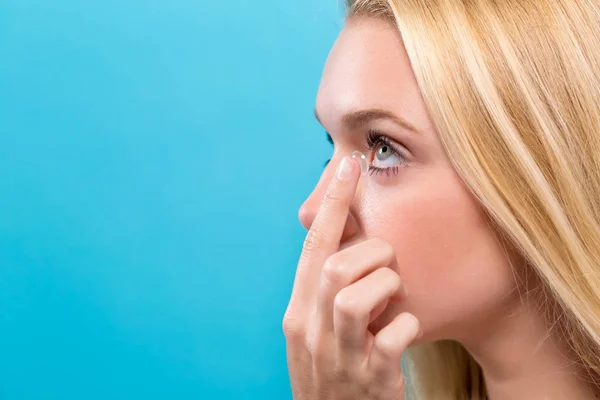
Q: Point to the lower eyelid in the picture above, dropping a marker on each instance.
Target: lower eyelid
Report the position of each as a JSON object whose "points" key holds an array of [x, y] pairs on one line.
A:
{"points": [[387, 171]]}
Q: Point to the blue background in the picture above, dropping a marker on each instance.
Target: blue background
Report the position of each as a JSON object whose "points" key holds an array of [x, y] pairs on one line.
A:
{"points": [[153, 156]]}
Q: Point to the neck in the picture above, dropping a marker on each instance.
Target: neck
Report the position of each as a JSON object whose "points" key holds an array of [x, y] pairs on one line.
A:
{"points": [[521, 358]]}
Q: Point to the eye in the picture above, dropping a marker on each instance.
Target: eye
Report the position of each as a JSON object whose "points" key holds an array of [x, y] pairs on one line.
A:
{"points": [[387, 157]]}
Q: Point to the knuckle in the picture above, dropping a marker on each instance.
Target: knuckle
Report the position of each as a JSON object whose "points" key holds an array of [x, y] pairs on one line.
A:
{"points": [[334, 269], [347, 305], [342, 373], [374, 387], [314, 239], [385, 343], [292, 326], [315, 343], [331, 196]]}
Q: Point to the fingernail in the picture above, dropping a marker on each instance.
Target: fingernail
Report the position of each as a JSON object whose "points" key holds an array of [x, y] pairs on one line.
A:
{"points": [[344, 171]]}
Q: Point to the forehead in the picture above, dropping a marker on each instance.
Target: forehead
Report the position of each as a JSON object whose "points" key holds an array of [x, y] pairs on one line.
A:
{"points": [[367, 67]]}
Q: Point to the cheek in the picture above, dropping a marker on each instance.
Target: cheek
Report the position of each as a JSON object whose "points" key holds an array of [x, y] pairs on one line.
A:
{"points": [[455, 270]]}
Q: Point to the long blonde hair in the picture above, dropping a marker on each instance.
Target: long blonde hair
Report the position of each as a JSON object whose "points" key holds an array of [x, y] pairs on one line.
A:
{"points": [[513, 87]]}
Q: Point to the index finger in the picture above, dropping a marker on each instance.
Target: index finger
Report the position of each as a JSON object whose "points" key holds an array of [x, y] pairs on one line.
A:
{"points": [[325, 233]]}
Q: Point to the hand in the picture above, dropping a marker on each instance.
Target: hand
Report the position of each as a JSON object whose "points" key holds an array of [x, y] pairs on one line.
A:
{"points": [[331, 353]]}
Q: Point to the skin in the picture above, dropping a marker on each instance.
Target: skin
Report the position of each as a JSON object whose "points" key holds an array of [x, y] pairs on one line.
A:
{"points": [[396, 259]]}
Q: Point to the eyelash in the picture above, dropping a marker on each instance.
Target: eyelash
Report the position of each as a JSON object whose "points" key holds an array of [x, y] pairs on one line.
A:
{"points": [[375, 138]]}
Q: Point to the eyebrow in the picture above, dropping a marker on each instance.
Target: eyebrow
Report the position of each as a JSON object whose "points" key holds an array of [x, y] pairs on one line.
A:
{"points": [[356, 119]]}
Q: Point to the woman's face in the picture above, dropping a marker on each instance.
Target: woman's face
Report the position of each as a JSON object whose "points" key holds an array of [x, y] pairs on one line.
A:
{"points": [[455, 270]]}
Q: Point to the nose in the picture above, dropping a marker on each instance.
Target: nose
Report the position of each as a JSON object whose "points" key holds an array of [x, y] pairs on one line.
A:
{"points": [[309, 209]]}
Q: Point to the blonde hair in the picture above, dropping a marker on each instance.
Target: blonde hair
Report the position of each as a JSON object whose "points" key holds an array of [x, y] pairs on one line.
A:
{"points": [[513, 87]]}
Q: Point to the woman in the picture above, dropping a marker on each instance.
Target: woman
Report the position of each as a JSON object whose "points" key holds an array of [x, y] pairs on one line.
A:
{"points": [[475, 237]]}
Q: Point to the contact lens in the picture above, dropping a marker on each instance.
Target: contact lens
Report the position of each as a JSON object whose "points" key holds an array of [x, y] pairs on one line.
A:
{"points": [[362, 161]]}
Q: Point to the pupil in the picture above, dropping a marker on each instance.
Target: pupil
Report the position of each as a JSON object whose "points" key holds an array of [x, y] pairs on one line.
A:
{"points": [[383, 150]]}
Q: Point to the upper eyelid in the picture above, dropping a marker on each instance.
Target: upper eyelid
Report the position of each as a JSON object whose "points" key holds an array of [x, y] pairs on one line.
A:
{"points": [[379, 137]]}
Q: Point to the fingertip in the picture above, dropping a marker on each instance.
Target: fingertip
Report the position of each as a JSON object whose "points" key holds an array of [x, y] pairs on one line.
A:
{"points": [[418, 329], [412, 323], [345, 169], [400, 295]]}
